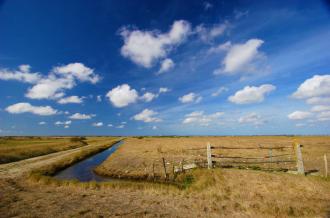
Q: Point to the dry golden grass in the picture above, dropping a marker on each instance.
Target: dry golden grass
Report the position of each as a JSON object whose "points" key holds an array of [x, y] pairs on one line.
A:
{"points": [[135, 158], [208, 193], [214, 193], [19, 148]]}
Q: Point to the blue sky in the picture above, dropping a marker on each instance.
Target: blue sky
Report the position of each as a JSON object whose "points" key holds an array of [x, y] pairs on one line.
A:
{"points": [[164, 67]]}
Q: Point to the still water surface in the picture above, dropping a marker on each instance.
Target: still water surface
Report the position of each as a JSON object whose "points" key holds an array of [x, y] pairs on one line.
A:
{"points": [[83, 170]]}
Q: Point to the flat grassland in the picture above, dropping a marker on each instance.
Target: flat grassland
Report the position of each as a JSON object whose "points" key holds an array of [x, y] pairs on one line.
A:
{"points": [[19, 148], [136, 157], [207, 193]]}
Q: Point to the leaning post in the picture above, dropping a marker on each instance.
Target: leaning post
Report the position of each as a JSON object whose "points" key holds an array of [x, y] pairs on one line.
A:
{"points": [[209, 155], [300, 162], [164, 165], [325, 166]]}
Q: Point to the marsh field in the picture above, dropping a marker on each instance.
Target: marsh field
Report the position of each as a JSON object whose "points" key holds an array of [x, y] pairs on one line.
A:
{"points": [[27, 188]]}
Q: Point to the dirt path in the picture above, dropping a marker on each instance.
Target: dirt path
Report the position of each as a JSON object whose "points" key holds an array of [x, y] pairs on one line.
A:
{"points": [[19, 168]]}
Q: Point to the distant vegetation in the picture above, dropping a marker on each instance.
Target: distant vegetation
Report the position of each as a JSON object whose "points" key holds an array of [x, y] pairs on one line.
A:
{"points": [[19, 148]]}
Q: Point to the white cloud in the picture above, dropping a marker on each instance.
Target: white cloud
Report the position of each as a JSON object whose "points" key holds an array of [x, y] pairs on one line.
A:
{"points": [[23, 74], [110, 125], [219, 91], [190, 97], [324, 116], [154, 127], [251, 94], [299, 115], [50, 88], [98, 124], [66, 123], [79, 116], [166, 65], [53, 85], [163, 90], [146, 47], [220, 48], [148, 96], [120, 126], [122, 95], [79, 71], [316, 89], [24, 107], [252, 118], [60, 79], [239, 56], [147, 116], [71, 99], [99, 98], [207, 34], [318, 100], [320, 108], [42, 123], [198, 117]]}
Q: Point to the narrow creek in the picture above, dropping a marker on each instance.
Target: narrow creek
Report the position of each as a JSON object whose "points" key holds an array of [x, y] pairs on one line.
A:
{"points": [[83, 170]]}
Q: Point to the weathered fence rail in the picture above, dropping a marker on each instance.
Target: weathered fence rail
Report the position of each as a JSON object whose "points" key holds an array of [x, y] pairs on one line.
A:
{"points": [[291, 158]]}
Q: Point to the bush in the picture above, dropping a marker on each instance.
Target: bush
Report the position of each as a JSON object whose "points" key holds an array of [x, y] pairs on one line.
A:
{"points": [[79, 139]]}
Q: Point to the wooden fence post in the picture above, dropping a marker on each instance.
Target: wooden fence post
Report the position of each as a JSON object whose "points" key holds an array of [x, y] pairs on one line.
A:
{"points": [[209, 155], [270, 155], [325, 166], [300, 162], [153, 170], [164, 165]]}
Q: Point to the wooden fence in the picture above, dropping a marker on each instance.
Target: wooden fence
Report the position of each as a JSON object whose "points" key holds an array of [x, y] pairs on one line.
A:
{"points": [[291, 156]]}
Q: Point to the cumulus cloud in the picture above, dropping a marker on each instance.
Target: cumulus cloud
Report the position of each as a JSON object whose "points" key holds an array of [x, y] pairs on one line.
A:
{"points": [[79, 116], [120, 126], [190, 97], [240, 56], [315, 90], [42, 123], [251, 94], [122, 95], [148, 96], [165, 66], [71, 99], [146, 47], [78, 71], [320, 108], [252, 118], [198, 117], [50, 88], [61, 78], [99, 98], [23, 74], [98, 124], [299, 115], [147, 116], [219, 91], [24, 107], [64, 123]]}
